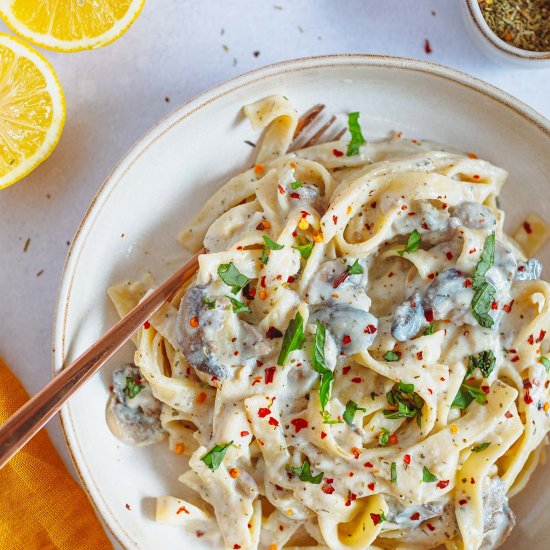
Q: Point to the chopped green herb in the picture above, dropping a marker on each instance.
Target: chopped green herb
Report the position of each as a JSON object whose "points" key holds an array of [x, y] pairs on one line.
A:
{"points": [[271, 245], [355, 268], [304, 473], [351, 409], [392, 356], [404, 403], [427, 476], [293, 338], [296, 184], [327, 419], [546, 363], [405, 388], [304, 250], [485, 292], [357, 138], [393, 469], [413, 243], [485, 362], [384, 437], [319, 365], [429, 329], [480, 447], [232, 277], [132, 387], [210, 304], [214, 457], [486, 260], [238, 306], [466, 394]]}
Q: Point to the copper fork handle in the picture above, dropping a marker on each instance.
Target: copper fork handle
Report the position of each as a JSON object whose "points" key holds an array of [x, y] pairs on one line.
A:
{"points": [[32, 416]]}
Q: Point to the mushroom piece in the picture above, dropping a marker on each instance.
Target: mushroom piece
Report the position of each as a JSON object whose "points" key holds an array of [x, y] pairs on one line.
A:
{"points": [[498, 518], [408, 319], [474, 216], [210, 336], [502, 272], [133, 420], [353, 329], [528, 271]]}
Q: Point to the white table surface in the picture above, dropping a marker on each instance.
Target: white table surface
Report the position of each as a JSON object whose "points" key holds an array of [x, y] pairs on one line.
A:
{"points": [[175, 50]]}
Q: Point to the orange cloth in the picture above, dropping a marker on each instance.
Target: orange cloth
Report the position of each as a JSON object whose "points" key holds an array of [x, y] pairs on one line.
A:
{"points": [[41, 506]]}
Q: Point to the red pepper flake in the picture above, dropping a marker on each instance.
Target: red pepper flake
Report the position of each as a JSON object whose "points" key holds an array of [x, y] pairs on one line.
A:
{"points": [[467, 283], [485, 389], [201, 397], [281, 190], [263, 412], [236, 546], [475, 176], [511, 350], [323, 435], [393, 439], [515, 359], [269, 374], [430, 390], [390, 274], [346, 339], [531, 340], [259, 227], [127, 506], [427, 46], [350, 474], [472, 250], [444, 206], [199, 534], [472, 155], [508, 307], [508, 414], [527, 227], [146, 325], [443, 484], [462, 501], [294, 233], [430, 526], [273, 332], [327, 489], [337, 153], [415, 516], [429, 314], [368, 465], [244, 434], [356, 380], [404, 207], [373, 204], [527, 383], [355, 452], [407, 459], [299, 424], [235, 353], [240, 247], [304, 214], [449, 255], [541, 336], [431, 275], [494, 305], [375, 518], [368, 226], [371, 486], [294, 196], [370, 329], [261, 442], [527, 398], [182, 509], [273, 421], [345, 370], [335, 219], [419, 355], [411, 214], [425, 226], [290, 280], [262, 281], [340, 279]]}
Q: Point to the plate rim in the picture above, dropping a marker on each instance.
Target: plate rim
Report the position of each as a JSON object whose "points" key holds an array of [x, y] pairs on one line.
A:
{"points": [[146, 140]]}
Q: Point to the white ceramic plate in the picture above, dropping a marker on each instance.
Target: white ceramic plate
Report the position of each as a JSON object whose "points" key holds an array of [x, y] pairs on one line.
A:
{"points": [[132, 225]]}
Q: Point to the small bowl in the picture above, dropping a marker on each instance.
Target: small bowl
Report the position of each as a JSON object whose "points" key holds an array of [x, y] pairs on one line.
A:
{"points": [[496, 48]]}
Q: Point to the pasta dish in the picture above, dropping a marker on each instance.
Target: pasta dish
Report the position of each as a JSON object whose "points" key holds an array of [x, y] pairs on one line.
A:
{"points": [[360, 361]]}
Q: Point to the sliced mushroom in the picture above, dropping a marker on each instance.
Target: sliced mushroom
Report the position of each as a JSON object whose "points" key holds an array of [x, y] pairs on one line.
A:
{"points": [[210, 336], [528, 271], [408, 319], [502, 272], [133, 420], [498, 518], [474, 216], [353, 329]]}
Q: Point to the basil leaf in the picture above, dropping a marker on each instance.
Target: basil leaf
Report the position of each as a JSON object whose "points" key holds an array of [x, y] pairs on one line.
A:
{"points": [[486, 260], [413, 243], [214, 457], [293, 338], [384, 438], [239, 307], [132, 387], [427, 476], [304, 250], [393, 469], [546, 363], [296, 184], [232, 277], [272, 245], [481, 304], [304, 473], [480, 447], [404, 403], [462, 399], [405, 388], [485, 362], [319, 365], [392, 356], [429, 329], [357, 138], [355, 268], [351, 409], [210, 304], [477, 393]]}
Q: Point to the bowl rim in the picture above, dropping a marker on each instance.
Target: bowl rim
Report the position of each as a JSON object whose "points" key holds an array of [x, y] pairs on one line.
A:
{"points": [[140, 147], [477, 19]]}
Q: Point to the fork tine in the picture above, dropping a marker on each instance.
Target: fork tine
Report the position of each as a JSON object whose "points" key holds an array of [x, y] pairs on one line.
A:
{"points": [[306, 119], [317, 135], [339, 135]]}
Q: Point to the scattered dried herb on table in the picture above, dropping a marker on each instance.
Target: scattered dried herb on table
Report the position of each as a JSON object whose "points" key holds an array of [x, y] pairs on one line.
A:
{"points": [[524, 24]]}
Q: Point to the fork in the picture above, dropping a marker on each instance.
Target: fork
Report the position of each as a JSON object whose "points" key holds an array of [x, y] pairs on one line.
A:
{"points": [[32, 416]]}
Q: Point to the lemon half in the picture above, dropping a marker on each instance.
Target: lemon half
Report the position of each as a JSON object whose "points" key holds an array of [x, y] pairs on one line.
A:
{"points": [[32, 109], [70, 25]]}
